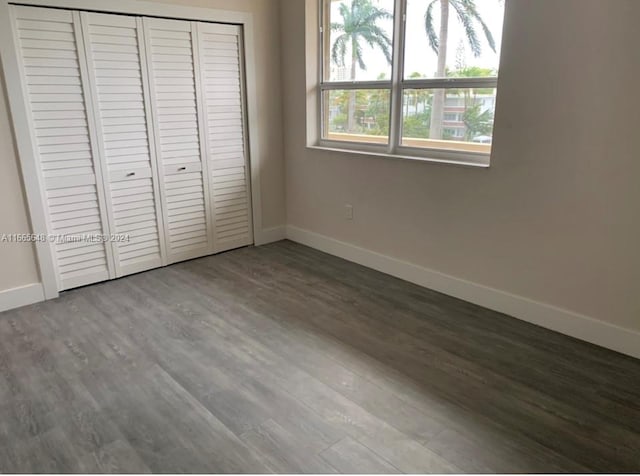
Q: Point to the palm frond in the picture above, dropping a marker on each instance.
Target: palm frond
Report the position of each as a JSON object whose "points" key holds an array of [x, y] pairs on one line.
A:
{"points": [[472, 12], [429, 27], [345, 13], [376, 36], [465, 11], [487, 33], [360, 22], [339, 50], [374, 15], [358, 56]]}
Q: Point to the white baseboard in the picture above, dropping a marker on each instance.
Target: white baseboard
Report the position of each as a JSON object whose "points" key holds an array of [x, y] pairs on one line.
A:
{"points": [[22, 296], [567, 322], [270, 235]]}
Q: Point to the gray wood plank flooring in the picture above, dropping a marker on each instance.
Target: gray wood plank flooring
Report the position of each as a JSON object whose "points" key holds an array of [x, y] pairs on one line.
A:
{"points": [[285, 359]]}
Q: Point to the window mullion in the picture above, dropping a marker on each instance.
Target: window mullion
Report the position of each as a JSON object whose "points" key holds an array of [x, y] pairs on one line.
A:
{"points": [[450, 83], [321, 48], [346, 85], [395, 118]]}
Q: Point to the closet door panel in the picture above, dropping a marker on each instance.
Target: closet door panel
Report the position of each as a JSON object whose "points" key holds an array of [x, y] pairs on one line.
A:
{"points": [[115, 51], [175, 98], [221, 65], [50, 50]]}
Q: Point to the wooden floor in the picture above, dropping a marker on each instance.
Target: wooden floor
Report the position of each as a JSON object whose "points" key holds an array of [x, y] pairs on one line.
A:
{"points": [[284, 359]]}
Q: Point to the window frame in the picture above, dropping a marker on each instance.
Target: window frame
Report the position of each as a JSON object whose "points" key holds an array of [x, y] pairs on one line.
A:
{"points": [[396, 86]]}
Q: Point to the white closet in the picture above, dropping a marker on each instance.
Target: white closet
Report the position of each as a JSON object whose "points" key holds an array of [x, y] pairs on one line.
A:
{"points": [[221, 73], [54, 72], [171, 63], [121, 113], [139, 125]]}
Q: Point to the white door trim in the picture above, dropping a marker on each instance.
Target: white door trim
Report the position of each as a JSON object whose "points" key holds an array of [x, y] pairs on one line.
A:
{"points": [[19, 108], [26, 145]]}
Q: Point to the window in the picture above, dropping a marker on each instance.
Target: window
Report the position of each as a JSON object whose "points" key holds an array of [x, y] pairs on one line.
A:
{"points": [[410, 77]]}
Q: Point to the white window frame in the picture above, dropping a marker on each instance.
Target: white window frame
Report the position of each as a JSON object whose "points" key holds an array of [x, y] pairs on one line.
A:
{"points": [[397, 85], [19, 107]]}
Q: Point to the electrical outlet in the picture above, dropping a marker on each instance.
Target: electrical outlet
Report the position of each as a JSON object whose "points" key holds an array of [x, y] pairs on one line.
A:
{"points": [[348, 211]]}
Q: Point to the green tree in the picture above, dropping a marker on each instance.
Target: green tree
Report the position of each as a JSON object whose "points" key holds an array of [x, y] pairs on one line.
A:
{"points": [[477, 122], [339, 102], [359, 26], [469, 17], [416, 126], [473, 72], [377, 103]]}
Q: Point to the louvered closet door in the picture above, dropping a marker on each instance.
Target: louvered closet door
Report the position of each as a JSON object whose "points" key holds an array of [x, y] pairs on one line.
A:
{"points": [[174, 92], [221, 65], [50, 50], [115, 54]]}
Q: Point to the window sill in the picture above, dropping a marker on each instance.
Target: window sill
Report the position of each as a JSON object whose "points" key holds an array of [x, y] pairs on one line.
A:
{"points": [[481, 162]]}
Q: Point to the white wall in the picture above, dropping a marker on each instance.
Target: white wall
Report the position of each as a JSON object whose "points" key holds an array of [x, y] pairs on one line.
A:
{"points": [[18, 262], [555, 219]]}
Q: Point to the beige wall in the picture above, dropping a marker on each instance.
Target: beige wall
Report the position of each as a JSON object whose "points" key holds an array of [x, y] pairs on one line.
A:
{"points": [[18, 262], [555, 219]]}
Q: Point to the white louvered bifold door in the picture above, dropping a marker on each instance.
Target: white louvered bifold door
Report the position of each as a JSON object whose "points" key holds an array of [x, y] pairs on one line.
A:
{"points": [[117, 70], [221, 69], [174, 92], [53, 69]]}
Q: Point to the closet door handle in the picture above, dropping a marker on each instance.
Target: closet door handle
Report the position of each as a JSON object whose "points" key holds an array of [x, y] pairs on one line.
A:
{"points": [[181, 169], [131, 174]]}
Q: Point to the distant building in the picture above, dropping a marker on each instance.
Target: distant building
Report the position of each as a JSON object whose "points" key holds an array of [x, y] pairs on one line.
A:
{"points": [[454, 108]]}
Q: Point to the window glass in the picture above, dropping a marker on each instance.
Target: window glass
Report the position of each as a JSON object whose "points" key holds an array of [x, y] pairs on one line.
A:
{"points": [[454, 39], [469, 45], [359, 40], [357, 115], [466, 118]]}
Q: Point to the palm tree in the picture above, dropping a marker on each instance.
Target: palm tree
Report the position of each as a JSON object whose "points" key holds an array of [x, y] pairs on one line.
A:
{"points": [[477, 121], [469, 17], [359, 26]]}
